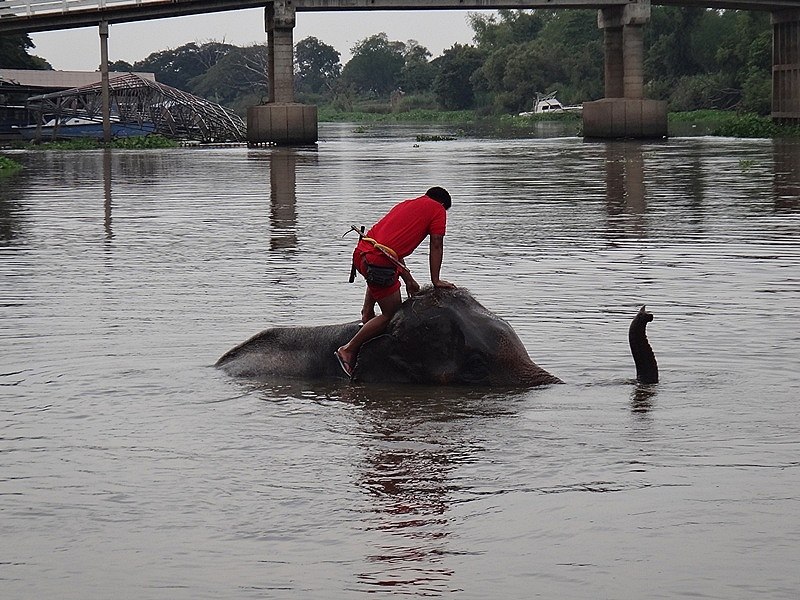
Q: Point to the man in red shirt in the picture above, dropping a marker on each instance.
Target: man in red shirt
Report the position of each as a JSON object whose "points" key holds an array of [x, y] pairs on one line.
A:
{"points": [[397, 235]]}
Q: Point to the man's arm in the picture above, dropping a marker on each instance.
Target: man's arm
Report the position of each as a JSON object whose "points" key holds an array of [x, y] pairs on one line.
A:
{"points": [[436, 255], [412, 287]]}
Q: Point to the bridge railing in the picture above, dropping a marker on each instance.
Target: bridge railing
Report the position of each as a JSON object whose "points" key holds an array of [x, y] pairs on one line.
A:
{"points": [[30, 8]]}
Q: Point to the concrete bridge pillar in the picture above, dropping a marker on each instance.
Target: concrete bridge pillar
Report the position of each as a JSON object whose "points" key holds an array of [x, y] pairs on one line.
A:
{"points": [[786, 66], [624, 112], [280, 19], [614, 66], [281, 121], [633, 60]]}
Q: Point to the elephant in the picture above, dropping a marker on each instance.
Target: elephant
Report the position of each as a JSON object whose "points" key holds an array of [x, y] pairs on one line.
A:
{"points": [[437, 337]]}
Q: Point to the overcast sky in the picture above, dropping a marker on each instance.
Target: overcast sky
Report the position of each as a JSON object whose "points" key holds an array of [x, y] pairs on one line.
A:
{"points": [[79, 49]]}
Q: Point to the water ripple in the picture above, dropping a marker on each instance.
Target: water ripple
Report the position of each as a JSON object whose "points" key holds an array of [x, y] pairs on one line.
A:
{"points": [[125, 274]]}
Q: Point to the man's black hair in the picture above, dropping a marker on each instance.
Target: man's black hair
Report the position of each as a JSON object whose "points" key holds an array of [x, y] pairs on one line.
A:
{"points": [[440, 195]]}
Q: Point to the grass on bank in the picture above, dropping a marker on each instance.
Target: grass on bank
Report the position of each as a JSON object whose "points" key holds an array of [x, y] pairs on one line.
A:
{"points": [[725, 123]]}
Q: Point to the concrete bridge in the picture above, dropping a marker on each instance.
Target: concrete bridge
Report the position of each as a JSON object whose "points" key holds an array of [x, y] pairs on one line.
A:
{"points": [[624, 112]]}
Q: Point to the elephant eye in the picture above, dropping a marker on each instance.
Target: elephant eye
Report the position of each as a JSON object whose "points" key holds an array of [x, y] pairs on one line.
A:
{"points": [[475, 368]]}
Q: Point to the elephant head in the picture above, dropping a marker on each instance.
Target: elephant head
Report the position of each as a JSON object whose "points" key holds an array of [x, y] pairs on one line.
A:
{"points": [[445, 336]]}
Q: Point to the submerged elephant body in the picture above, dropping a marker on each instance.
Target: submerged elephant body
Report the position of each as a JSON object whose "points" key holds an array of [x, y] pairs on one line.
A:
{"points": [[440, 336], [289, 352]]}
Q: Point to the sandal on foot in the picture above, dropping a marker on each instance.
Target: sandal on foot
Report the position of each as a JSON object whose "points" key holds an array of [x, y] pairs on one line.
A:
{"points": [[346, 366]]}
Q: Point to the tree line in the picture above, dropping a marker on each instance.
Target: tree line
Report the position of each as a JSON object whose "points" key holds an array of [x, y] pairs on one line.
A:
{"points": [[695, 58]]}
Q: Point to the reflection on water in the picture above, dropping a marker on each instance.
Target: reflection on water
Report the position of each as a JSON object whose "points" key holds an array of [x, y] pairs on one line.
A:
{"points": [[625, 177], [407, 479], [787, 174], [643, 397], [413, 445], [11, 209], [107, 154], [132, 467], [625, 187], [282, 180]]}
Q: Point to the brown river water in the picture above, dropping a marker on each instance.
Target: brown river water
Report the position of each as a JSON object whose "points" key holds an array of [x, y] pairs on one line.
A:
{"points": [[131, 468]]}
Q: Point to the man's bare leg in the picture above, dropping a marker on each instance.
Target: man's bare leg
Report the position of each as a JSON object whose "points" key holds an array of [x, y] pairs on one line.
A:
{"points": [[368, 310], [372, 328]]}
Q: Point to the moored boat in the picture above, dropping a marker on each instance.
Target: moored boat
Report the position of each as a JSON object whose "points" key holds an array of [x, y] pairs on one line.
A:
{"points": [[548, 103], [78, 127]]}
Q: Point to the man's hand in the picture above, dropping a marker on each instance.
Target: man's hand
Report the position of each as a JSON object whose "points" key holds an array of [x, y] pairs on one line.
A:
{"points": [[436, 253], [441, 283], [412, 287]]}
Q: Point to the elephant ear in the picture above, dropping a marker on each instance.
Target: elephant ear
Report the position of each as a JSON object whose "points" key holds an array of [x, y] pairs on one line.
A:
{"points": [[380, 361]]}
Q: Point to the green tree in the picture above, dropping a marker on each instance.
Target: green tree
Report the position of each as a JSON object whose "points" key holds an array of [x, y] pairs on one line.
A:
{"points": [[572, 46], [507, 27], [453, 83], [177, 67], [671, 53], [539, 51], [694, 57], [515, 73], [317, 65], [700, 58], [237, 80], [756, 77], [14, 53], [736, 52], [708, 33], [418, 73], [375, 66], [120, 66]]}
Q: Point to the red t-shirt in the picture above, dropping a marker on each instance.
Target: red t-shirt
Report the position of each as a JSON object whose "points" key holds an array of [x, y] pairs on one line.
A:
{"points": [[406, 225]]}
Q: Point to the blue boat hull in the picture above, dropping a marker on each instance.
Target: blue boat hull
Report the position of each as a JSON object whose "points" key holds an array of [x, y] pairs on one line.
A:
{"points": [[85, 131]]}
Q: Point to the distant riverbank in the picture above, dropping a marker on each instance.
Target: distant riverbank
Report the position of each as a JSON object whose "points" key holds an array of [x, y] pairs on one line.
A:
{"points": [[703, 122], [468, 123]]}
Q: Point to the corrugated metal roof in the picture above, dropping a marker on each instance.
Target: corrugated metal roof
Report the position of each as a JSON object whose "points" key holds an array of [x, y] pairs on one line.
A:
{"points": [[136, 99], [60, 80]]}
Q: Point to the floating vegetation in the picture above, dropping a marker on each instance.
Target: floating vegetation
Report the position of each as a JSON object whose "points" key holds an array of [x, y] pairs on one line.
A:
{"points": [[76, 144], [144, 142], [139, 142], [423, 137], [8, 166]]}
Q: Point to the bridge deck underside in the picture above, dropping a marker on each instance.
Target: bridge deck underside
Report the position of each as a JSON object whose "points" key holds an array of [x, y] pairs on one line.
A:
{"points": [[46, 15]]}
